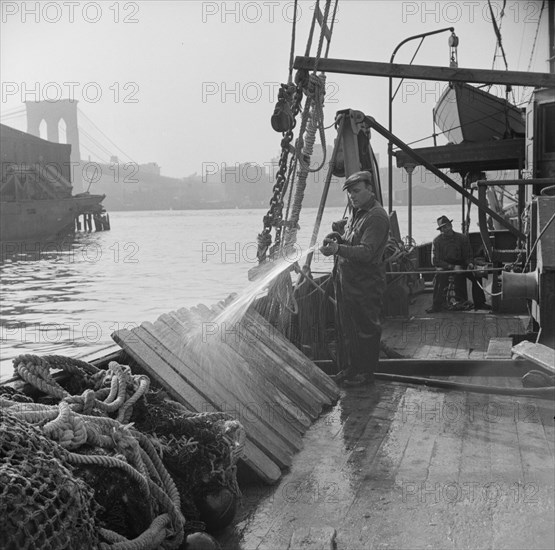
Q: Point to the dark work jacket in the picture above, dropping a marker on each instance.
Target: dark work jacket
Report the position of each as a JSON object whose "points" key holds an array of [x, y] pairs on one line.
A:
{"points": [[452, 249], [360, 259], [359, 286]]}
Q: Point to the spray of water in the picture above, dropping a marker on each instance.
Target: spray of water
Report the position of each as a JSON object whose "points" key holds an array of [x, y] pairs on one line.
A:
{"points": [[198, 336], [236, 311], [210, 349]]}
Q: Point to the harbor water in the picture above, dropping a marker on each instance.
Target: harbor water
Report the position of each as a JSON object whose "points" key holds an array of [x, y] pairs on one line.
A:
{"points": [[68, 298]]}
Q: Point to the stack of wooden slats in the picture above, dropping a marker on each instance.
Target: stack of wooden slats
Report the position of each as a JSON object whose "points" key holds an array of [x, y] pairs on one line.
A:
{"points": [[248, 369]]}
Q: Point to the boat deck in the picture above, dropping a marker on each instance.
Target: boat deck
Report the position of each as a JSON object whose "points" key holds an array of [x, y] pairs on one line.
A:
{"points": [[402, 466]]}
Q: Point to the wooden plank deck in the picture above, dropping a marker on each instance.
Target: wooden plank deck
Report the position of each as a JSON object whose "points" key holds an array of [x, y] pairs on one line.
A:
{"points": [[400, 466], [458, 334]]}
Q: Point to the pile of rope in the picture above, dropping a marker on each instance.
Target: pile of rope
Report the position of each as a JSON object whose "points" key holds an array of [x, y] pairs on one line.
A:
{"points": [[101, 457]]}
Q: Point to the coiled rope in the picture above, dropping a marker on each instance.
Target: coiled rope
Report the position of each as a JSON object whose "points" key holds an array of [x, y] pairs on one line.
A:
{"points": [[72, 423]]}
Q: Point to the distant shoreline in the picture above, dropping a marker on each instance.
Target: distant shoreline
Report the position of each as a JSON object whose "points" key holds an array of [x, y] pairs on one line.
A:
{"points": [[134, 208]]}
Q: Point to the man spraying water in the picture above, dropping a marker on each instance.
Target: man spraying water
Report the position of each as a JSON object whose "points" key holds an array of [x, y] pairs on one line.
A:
{"points": [[358, 243]]}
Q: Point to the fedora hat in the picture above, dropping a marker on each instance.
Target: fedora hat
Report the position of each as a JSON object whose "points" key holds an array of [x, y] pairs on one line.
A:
{"points": [[443, 220]]}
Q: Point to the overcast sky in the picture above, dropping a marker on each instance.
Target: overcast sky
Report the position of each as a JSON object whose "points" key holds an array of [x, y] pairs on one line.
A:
{"points": [[185, 83]]}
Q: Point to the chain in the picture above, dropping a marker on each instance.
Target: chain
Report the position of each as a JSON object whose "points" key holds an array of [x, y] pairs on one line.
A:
{"points": [[284, 120], [274, 217]]}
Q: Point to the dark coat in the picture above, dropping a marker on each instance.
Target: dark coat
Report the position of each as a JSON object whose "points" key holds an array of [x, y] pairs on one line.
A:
{"points": [[359, 286]]}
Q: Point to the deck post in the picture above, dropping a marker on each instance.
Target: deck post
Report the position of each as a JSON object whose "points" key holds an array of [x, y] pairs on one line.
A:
{"points": [[410, 169]]}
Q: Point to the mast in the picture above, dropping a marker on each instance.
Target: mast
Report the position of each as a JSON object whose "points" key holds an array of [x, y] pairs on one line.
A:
{"points": [[551, 33]]}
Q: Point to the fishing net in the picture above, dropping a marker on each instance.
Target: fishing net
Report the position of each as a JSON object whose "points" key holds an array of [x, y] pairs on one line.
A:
{"points": [[199, 450], [42, 503], [144, 461]]}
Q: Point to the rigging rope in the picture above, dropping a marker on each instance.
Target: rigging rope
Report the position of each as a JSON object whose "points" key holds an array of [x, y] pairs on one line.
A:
{"points": [[312, 27], [312, 121], [292, 54], [533, 49], [497, 30], [322, 32], [536, 37], [284, 120], [331, 26]]}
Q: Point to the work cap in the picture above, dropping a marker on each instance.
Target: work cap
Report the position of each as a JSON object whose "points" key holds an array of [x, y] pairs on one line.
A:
{"points": [[356, 177], [442, 220]]}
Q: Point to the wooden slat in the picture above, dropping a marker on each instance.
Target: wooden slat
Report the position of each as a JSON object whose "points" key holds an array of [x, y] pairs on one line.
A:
{"points": [[499, 348], [211, 385], [145, 355], [254, 367], [279, 372], [282, 415], [232, 372], [320, 385], [262, 379], [302, 364], [537, 353]]}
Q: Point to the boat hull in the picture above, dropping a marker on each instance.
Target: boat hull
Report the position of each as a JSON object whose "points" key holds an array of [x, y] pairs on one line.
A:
{"points": [[467, 114]]}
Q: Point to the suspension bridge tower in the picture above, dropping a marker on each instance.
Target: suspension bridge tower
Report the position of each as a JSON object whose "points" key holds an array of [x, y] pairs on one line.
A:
{"points": [[52, 112]]}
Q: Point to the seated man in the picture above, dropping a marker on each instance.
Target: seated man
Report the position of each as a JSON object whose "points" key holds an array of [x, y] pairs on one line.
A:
{"points": [[451, 251]]}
